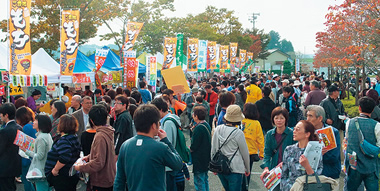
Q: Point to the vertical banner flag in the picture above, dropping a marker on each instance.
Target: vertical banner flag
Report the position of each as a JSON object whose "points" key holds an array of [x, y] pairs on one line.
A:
{"points": [[133, 30], [242, 57], [170, 47], [202, 56], [152, 71], [211, 55], [69, 41], [100, 57], [298, 66], [19, 41], [179, 54], [130, 74], [223, 57], [233, 54], [192, 54], [249, 55]]}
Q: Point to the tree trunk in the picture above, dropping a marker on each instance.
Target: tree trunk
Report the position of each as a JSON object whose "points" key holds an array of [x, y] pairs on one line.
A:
{"points": [[357, 86]]}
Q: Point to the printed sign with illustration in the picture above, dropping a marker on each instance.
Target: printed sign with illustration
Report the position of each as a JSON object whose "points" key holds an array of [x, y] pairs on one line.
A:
{"points": [[192, 54], [81, 78], [100, 57], [170, 47], [233, 54], [19, 41], [327, 137], [223, 57], [133, 30], [69, 41], [24, 141]]}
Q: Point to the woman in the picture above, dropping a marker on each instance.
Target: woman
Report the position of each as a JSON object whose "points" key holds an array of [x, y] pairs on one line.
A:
{"points": [[225, 99], [235, 148], [24, 119], [276, 140], [295, 164], [253, 136], [36, 94], [241, 96], [63, 155], [57, 110], [43, 144]]}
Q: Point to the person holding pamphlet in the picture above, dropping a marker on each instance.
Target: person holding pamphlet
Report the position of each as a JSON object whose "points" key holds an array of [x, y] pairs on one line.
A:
{"points": [[10, 160], [330, 137], [295, 163]]}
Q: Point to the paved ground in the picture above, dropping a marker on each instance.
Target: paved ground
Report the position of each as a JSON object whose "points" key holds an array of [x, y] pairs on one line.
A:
{"points": [[214, 182]]}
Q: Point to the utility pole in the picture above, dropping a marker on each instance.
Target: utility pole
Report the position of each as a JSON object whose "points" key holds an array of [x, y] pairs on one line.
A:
{"points": [[253, 18]]}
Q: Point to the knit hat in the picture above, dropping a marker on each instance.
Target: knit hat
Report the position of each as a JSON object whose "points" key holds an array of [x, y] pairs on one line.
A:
{"points": [[234, 114], [194, 90]]}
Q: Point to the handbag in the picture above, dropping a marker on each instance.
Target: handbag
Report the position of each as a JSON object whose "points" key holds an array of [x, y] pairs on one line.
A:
{"points": [[34, 173], [366, 147], [316, 186], [220, 162]]}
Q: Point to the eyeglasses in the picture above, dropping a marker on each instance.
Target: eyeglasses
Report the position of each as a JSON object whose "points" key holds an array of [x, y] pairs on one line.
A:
{"points": [[119, 103]]}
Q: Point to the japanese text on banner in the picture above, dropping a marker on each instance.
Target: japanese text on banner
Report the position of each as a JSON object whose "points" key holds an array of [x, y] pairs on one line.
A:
{"points": [[223, 57], [202, 56], [19, 32], [152, 71], [211, 55], [170, 49], [69, 41], [100, 57], [233, 54], [192, 54], [133, 30], [130, 72]]}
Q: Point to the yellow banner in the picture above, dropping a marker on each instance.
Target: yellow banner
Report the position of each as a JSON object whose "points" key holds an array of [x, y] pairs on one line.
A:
{"points": [[19, 32], [249, 56], [233, 54], [242, 57], [211, 55], [192, 54], [69, 41], [223, 57], [15, 90], [133, 30], [170, 49]]}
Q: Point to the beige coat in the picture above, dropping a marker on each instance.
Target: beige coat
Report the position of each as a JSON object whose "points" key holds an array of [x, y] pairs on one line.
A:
{"points": [[298, 185]]}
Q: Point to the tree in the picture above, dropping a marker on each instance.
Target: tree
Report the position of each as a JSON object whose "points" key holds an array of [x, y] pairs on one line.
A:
{"points": [[286, 46], [45, 22], [288, 68], [274, 40]]}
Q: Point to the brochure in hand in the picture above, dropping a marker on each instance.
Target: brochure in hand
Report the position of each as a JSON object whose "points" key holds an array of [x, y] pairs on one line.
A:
{"points": [[24, 141], [326, 135], [313, 153], [273, 178]]}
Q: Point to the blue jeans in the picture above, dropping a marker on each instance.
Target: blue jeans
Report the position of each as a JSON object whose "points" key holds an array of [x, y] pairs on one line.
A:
{"points": [[42, 186], [371, 181], [201, 181], [231, 182], [28, 186]]}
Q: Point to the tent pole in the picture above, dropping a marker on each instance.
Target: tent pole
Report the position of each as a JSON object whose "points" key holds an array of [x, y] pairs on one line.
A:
{"points": [[60, 90]]}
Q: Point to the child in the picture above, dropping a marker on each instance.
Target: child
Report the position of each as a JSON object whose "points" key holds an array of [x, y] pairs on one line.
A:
{"points": [[180, 180]]}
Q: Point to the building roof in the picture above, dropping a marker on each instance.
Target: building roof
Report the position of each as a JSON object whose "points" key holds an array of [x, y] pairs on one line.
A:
{"points": [[271, 51]]}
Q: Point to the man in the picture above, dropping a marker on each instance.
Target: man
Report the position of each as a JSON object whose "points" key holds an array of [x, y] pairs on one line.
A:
{"points": [[377, 85], [98, 95], [331, 159], [137, 96], [190, 101], [253, 92], [212, 99], [367, 168], [200, 148], [82, 115], [75, 104], [214, 88], [145, 94], [168, 125], [333, 108], [123, 125], [223, 85], [101, 160], [10, 160], [316, 95], [133, 172], [265, 107]]}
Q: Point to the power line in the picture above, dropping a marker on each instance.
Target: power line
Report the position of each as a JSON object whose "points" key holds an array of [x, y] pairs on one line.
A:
{"points": [[253, 18]]}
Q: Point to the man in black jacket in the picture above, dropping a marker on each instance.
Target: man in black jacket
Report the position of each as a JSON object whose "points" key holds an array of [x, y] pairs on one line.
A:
{"points": [[123, 125], [10, 160], [265, 107]]}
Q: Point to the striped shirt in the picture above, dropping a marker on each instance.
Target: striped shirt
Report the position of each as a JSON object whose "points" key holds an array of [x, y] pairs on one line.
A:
{"points": [[66, 150]]}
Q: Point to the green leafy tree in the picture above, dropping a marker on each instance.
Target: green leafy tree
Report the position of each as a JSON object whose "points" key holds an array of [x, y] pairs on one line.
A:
{"points": [[288, 68], [274, 40], [286, 46]]}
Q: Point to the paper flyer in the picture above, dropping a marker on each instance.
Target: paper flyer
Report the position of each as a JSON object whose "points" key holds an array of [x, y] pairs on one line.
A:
{"points": [[326, 135], [313, 153], [273, 178], [24, 141]]}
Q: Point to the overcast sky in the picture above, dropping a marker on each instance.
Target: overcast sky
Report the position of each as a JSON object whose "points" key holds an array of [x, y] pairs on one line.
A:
{"points": [[295, 20]]}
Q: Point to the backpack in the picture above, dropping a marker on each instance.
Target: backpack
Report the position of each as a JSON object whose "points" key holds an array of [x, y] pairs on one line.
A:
{"points": [[220, 162], [299, 111], [180, 145]]}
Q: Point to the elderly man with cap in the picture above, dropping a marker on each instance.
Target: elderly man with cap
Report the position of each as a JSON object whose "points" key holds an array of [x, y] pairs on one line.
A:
{"points": [[231, 142], [253, 92], [190, 101]]}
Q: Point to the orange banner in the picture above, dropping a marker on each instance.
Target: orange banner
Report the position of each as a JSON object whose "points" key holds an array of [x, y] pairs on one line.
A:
{"points": [[192, 54], [211, 55], [100, 57], [233, 54], [81, 78], [242, 57], [133, 30], [223, 57], [170, 49], [130, 69], [69, 41], [19, 41]]}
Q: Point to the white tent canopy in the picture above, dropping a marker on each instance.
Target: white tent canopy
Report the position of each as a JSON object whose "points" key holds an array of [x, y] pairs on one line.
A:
{"points": [[43, 64], [3, 56]]}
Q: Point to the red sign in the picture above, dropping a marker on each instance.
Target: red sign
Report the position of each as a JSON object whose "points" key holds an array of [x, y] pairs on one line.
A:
{"points": [[100, 57], [81, 78], [130, 74], [2, 90]]}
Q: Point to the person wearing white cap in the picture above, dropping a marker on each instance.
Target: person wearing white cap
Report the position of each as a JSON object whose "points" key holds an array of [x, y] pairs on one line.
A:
{"points": [[296, 88], [230, 140]]}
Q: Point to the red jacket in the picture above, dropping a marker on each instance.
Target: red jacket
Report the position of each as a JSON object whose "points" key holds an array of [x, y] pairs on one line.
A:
{"points": [[213, 101]]}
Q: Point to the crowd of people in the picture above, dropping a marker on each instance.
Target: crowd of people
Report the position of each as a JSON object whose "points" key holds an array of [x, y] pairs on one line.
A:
{"points": [[131, 139]]}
